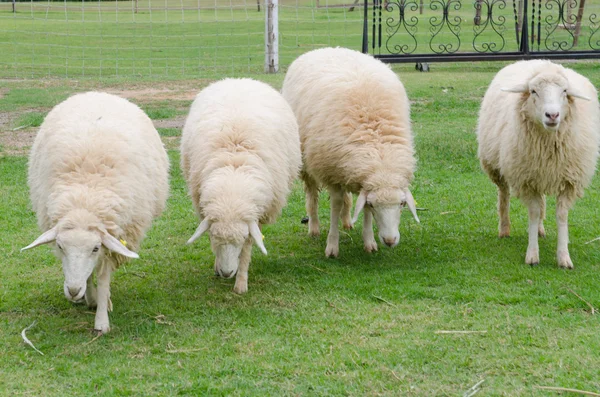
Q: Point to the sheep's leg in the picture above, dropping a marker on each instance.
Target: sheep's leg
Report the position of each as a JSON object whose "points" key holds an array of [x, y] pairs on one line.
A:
{"points": [[533, 251], [90, 293], [333, 238], [241, 278], [503, 207], [103, 296], [216, 266], [541, 230], [346, 209], [311, 190], [367, 233], [563, 204]]}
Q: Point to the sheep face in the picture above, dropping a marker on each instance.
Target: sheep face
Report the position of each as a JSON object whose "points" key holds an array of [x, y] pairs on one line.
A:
{"points": [[227, 240], [79, 251], [386, 206], [547, 99]]}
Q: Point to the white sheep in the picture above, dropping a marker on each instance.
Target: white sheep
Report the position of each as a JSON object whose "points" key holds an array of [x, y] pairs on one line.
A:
{"points": [[240, 153], [538, 135], [354, 120], [98, 175]]}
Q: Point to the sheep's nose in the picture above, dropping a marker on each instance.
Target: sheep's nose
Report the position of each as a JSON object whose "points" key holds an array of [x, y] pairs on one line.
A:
{"points": [[226, 274], [74, 291], [390, 242], [552, 116]]}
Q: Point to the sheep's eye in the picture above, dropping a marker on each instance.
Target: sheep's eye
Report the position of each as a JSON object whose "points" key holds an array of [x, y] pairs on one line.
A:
{"points": [[95, 249], [59, 246], [533, 92]]}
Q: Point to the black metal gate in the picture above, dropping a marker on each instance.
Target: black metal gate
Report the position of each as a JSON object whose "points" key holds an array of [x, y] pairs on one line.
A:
{"points": [[475, 30]]}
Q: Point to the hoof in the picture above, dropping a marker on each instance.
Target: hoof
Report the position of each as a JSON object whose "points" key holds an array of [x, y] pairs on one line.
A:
{"points": [[332, 251], [371, 246]]}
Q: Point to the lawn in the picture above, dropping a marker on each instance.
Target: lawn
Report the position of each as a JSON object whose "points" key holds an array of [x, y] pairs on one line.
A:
{"points": [[358, 325]]}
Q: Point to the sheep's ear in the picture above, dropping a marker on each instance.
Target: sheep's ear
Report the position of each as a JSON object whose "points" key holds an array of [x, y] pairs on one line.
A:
{"points": [[116, 246], [360, 204], [410, 202], [575, 94], [257, 236], [519, 89], [45, 238], [204, 225]]}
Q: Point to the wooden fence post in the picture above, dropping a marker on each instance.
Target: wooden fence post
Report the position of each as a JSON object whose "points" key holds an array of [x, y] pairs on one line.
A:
{"points": [[271, 36]]}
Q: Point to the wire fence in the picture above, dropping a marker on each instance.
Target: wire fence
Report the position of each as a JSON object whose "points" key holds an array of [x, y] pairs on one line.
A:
{"points": [[163, 38]]}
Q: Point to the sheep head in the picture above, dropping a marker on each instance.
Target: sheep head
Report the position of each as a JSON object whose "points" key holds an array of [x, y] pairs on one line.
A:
{"points": [[386, 206], [80, 248], [227, 240], [547, 98]]}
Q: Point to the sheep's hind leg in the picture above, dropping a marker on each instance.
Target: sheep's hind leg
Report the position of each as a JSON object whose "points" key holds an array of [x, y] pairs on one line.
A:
{"points": [[241, 278], [103, 296], [333, 238], [367, 234], [534, 204], [346, 209], [91, 293], [563, 204], [311, 190]]}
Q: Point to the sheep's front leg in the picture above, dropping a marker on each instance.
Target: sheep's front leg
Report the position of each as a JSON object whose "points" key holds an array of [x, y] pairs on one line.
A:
{"points": [[90, 293], [333, 238], [103, 295], [311, 190], [367, 233], [346, 209], [541, 230], [534, 206], [241, 278], [563, 204]]}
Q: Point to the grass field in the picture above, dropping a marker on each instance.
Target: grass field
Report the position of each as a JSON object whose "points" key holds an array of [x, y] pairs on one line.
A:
{"points": [[169, 39], [358, 325]]}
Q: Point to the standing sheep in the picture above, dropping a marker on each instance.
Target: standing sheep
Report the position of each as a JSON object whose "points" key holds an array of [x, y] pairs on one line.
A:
{"points": [[354, 120], [98, 175], [240, 153], [538, 134]]}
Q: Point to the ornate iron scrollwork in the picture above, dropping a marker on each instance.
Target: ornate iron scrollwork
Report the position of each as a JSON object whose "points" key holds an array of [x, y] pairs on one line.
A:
{"points": [[594, 40], [437, 26], [407, 24], [562, 16], [495, 23]]}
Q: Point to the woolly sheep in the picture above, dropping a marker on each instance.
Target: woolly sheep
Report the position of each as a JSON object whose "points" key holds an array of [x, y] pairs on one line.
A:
{"points": [[354, 120], [98, 175], [240, 153], [538, 135]]}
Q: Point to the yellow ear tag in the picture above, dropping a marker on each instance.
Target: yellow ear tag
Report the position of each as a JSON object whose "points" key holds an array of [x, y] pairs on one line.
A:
{"points": [[263, 236], [123, 242]]}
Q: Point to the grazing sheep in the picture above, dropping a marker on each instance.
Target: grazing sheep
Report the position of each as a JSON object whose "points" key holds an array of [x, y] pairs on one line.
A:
{"points": [[98, 175], [240, 153], [354, 120], [538, 134]]}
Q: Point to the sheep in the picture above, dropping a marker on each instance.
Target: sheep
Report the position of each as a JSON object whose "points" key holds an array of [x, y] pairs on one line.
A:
{"points": [[355, 133], [98, 175], [240, 153], [538, 135]]}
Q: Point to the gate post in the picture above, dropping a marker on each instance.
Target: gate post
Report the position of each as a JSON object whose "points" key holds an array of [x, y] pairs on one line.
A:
{"points": [[271, 36], [365, 41]]}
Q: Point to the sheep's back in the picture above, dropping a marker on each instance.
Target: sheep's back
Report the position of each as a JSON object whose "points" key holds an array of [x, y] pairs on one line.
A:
{"points": [[103, 142], [353, 116], [236, 118]]}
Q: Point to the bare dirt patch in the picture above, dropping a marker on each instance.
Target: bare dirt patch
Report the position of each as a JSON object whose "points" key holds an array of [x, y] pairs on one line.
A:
{"points": [[154, 94]]}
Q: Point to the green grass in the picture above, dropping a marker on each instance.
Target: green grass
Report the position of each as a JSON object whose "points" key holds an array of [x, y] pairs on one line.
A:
{"points": [[206, 38], [358, 325], [160, 113], [169, 131], [32, 119]]}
